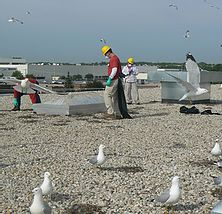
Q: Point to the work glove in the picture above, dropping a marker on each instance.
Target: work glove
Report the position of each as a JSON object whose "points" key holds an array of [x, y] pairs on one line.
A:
{"points": [[15, 102], [108, 82]]}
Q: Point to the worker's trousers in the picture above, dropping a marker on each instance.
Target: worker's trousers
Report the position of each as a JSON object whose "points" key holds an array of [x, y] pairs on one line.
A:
{"points": [[131, 92], [111, 98]]}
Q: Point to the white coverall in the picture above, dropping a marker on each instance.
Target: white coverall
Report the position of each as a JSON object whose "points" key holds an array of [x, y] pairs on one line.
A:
{"points": [[130, 80]]}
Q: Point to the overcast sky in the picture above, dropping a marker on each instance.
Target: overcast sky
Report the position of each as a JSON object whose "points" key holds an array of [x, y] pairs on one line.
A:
{"points": [[148, 30]]}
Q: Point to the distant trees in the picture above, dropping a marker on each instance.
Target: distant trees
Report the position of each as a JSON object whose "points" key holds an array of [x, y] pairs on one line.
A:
{"points": [[68, 81], [77, 77], [210, 67], [94, 84], [89, 77], [17, 74]]}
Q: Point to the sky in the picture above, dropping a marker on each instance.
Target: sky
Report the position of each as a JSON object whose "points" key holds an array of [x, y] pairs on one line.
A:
{"points": [[148, 30]]}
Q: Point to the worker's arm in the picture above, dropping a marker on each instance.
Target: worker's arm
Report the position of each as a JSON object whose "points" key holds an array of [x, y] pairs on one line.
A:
{"points": [[111, 76]]}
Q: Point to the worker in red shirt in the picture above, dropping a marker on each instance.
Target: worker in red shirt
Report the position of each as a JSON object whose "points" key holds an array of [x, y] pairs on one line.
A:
{"points": [[111, 93], [35, 98]]}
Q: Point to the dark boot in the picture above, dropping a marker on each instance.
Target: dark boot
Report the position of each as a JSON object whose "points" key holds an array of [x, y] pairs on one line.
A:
{"points": [[16, 108]]}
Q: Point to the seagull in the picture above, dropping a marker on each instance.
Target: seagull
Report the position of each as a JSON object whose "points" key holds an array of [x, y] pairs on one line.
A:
{"points": [[217, 180], [219, 163], [187, 34], [100, 158], [38, 205], [173, 5], [46, 186], [28, 13], [216, 151], [103, 40], [26, 87], [13, 19], [172, 195], [192, 85]]}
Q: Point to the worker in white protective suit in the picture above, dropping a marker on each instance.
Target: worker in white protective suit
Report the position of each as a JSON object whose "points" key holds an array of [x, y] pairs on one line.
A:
{"points": [[130, 71]]}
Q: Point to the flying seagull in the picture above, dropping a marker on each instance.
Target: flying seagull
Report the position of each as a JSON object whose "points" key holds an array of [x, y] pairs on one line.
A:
{"points": [[192, 85], [172, 195], [187, 34], [173, 5], [28, 13], [13, 19], [103, 40], [100, 158], [26, 87]]}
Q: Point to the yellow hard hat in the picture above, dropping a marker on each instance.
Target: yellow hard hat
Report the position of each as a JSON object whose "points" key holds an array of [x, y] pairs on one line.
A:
{"points": [[131, 60], [105, 49]]}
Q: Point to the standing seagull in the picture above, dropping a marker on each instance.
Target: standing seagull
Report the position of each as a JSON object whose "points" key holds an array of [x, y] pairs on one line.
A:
{"points": [[13, 19], [100, 158], [216, 151], [217, 180], [46, 186], [38, 205], [192, 85], [170, 196], [218, 163]]}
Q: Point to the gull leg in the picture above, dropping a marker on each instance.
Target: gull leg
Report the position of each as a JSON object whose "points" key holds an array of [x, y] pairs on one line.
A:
{"points": [[190, 101], [166, 210], [172, 210]]}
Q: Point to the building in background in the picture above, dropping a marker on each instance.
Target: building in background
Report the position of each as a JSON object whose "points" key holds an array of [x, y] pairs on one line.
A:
{"points": [[12, 64]]}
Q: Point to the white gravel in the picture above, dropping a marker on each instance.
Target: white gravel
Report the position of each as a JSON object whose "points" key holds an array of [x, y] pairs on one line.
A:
{"points": [[140, 154]]}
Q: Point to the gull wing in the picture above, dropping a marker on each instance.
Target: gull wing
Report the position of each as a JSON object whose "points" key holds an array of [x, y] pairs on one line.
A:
{"points": [[185, 84], [164, 196], [193, 73], [47, 209], [13, 81], [23, 90], [93, 160], [217, 180], [41, 88]]}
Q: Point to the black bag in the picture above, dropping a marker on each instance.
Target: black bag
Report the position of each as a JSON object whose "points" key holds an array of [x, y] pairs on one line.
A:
{"points": [[192, 110], [122, 101]]}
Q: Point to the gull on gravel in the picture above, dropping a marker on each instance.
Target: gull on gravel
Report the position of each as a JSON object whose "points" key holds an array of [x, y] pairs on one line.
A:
{"points": [[13, 19], [47, 186], [39, 206], [219, 163], [216, 151], [26, 87], [100, 158], [192, 85], [217, 180], [172, 195]]}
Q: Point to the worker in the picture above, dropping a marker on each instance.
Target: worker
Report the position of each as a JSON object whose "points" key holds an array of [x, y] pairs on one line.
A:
{"points": [[130, 72], [111, 90], [35, 98]]}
